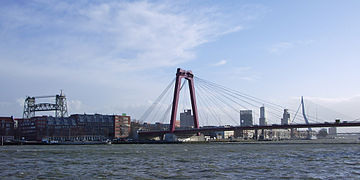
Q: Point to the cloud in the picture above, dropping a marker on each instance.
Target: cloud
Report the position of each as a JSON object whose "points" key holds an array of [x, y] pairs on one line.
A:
{"points": [[244, 73], [240, 73], [75, 105], [283, 46], [331, 108], [20, 101], [232, 30], [220, 63], [116, 36], [104, 49], [326, 100], [279, 47]]}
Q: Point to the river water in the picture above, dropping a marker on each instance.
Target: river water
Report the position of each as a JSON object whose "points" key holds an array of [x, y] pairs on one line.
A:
{"points": [[181, 161]]}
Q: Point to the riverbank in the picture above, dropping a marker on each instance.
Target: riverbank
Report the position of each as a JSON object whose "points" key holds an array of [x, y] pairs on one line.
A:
{"points": [[313, 141]]}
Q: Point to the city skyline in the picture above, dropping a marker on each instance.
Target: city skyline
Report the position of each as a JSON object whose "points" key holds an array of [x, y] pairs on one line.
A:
{"points": [[113, 57]]}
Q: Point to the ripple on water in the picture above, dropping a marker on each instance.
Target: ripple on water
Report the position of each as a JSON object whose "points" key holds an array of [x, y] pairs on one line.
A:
{"points": [[181, 161]]}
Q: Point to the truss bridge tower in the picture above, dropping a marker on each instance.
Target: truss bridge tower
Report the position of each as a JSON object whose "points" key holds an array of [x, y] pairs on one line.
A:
{"points": [[59, 106]]}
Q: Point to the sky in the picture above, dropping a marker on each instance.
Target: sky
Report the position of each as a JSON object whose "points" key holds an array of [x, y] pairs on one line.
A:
{"points": [[114, 57]]}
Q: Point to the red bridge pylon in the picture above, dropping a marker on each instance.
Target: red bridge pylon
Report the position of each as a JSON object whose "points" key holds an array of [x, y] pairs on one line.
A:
{"points": [[188, 75]]}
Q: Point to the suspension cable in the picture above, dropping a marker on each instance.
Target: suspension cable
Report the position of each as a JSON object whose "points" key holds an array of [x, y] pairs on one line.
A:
{"points": [[156, 102], [220, 107]]}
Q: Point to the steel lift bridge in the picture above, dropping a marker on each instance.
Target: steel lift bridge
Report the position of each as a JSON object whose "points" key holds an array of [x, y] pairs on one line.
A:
{"points": [[216, 104], [59, 107]]}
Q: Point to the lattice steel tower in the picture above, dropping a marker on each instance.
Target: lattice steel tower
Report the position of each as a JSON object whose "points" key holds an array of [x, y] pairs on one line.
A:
{"points": [[60, 106]]}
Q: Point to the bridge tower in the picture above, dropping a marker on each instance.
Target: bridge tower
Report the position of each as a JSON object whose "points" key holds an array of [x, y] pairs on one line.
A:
{"points": [[189, 76], [306, 119], [60, 106]]}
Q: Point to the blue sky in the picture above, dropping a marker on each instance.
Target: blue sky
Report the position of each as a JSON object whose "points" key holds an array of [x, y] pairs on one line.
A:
{"points": [[117, 56]]}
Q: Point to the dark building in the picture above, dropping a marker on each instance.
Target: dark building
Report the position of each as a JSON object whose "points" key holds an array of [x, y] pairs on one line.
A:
{"points": [[246, 118], [286, 117], [186, 119], [156, 126], [77, 127], [7, 131], [30, 129], [134, 127]]}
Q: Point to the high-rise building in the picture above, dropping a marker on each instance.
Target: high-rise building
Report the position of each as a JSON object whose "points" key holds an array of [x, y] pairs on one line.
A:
{"points": [[262, 119], [186, 119], [246, 118], [286, 117]]}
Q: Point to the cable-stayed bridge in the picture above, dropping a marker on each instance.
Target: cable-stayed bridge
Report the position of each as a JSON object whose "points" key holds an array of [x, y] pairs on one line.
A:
{"points": [[217, 108]]}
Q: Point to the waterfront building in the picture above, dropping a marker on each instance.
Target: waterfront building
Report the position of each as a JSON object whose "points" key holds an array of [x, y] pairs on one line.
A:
{"points": [[332, 131], [279, 134], [286, 117], [158, 126], [122, 126], [7, 131], [186, 119], [228, 134], [135, 126], [77, 127], [177, 124], [305, 134], [246, 118]]}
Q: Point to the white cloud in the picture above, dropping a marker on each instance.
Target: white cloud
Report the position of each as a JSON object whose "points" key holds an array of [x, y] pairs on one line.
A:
{"points": [[75, 106], [244, 73], [232, 30], [116, 36], [220, 63], [20, 101], [103, 49], [328, 100], [331, 107], [283, 46], [279, 47]]}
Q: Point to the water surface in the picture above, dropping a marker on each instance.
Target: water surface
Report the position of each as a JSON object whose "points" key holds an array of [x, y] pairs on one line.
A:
{"points": [[181, 161]]}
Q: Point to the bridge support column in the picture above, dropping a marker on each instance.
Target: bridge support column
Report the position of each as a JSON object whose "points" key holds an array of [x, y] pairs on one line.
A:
{"points": [[262, 135], [256, 134], [170, 137], [292, 133], [308, 134]]}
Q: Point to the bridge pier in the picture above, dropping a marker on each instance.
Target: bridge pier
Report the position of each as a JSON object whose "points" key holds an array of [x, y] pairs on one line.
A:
{"points": [[308, 135], [170, 137], [262, 135], [292, 133], [256, 134]]}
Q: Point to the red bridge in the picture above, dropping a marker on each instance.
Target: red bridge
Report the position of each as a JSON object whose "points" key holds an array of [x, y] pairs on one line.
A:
{"points": [[217, 100]]}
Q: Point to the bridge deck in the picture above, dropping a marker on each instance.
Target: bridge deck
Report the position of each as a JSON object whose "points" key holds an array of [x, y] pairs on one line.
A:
{"points": [[232, 128]]}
